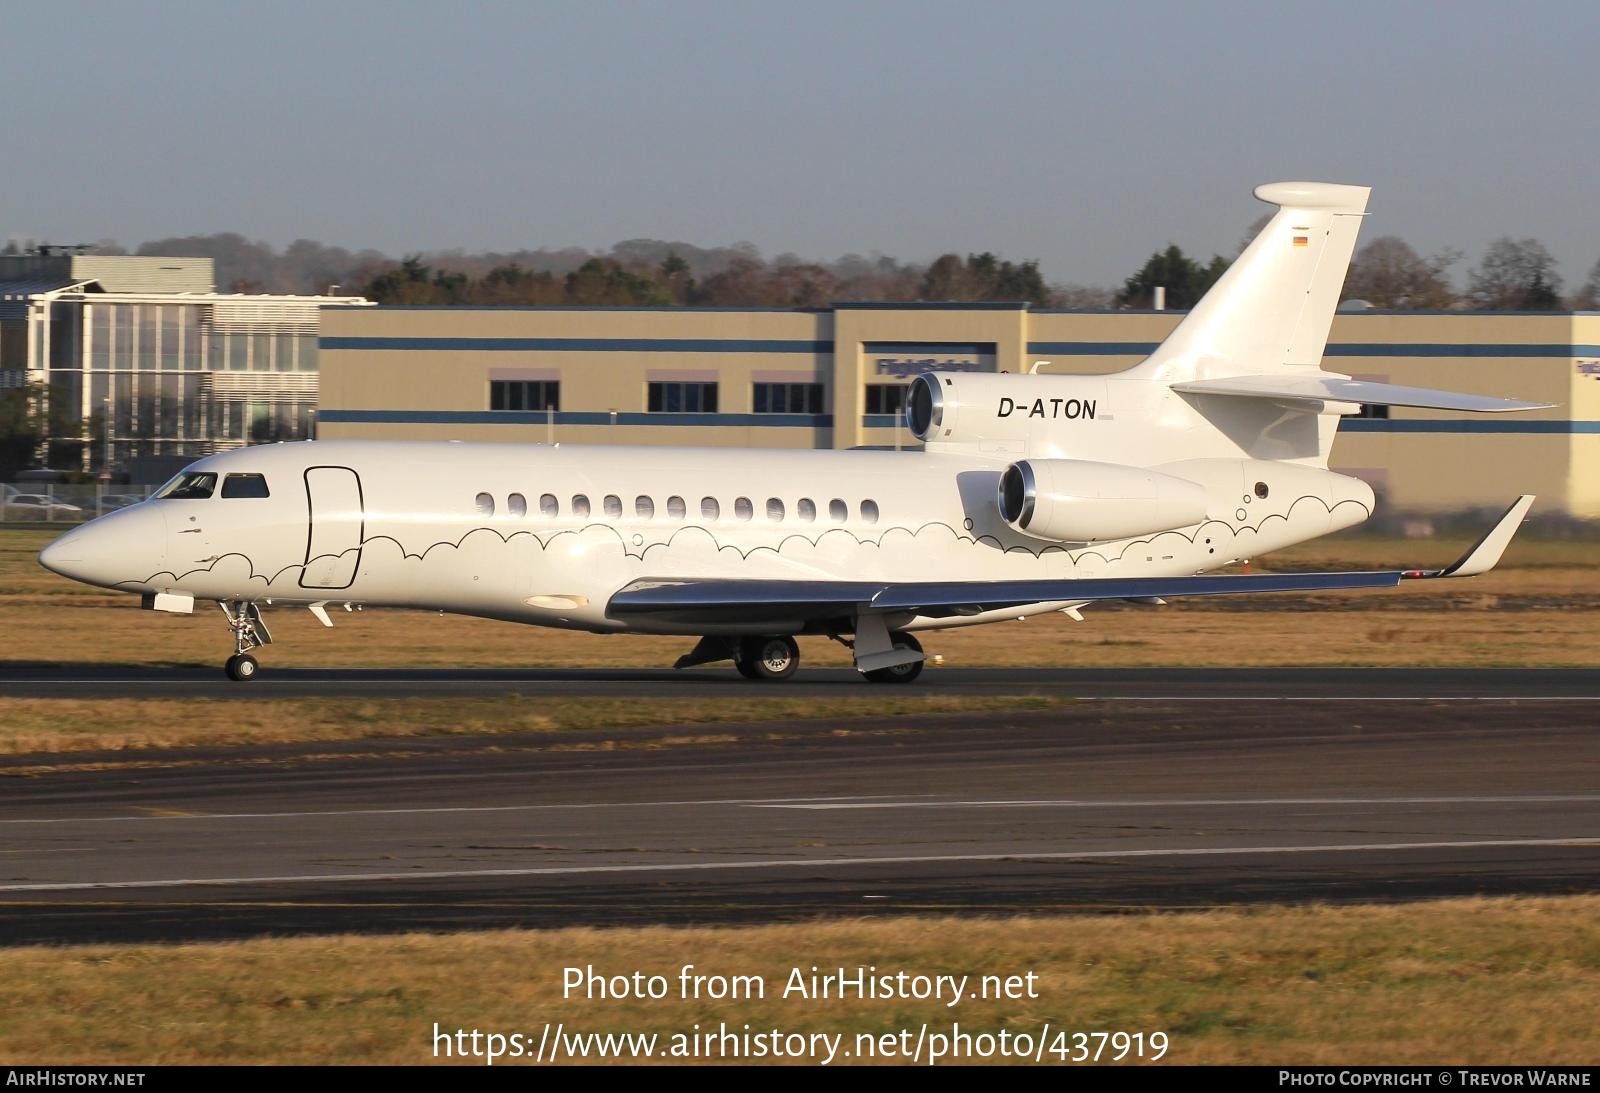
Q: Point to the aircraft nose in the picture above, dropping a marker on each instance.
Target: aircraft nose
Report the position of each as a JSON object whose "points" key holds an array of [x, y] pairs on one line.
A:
{"points": [[125, 546]]}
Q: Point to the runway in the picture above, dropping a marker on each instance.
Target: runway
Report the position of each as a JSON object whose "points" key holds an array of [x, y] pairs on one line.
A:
{"points": [[1104, 805], [1188, 684]]}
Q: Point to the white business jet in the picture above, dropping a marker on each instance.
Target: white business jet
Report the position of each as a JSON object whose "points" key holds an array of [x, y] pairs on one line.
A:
{"points": [[1034, 493]]}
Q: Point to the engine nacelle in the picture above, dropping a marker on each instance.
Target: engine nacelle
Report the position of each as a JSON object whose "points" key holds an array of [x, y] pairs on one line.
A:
{"points": [[1080, 501]]}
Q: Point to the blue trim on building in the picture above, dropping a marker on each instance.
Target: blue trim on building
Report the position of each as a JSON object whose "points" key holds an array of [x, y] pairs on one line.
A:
{"points": [[571, 417], [578, 345], [927, 349], [1093, 349], [880, 421], [1343, 349], [571, 307], [1458, 349], [1454, 425], [933, 305]]}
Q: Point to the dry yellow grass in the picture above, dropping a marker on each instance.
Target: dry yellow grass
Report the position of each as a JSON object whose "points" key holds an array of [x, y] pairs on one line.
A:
{"points": [[1538, 610], [1458, 982]]}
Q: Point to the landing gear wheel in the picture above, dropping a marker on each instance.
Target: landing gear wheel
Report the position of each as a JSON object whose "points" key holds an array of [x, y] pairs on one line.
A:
{"points": [[242, 667], [769, 659], [901, 673]]}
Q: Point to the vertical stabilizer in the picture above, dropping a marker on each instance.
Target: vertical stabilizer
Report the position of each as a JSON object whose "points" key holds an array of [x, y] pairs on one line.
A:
{"points": [[1270, 312]]}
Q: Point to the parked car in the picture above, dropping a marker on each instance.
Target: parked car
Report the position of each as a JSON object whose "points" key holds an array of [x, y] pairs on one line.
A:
{"points": [[36, 506], [112, 501]]}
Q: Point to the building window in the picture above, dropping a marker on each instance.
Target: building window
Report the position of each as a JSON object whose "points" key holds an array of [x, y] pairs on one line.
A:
{"points": [[524, 394], [1374, 410], [683, 398], [517, 505], [787, 398], [886, 398]]}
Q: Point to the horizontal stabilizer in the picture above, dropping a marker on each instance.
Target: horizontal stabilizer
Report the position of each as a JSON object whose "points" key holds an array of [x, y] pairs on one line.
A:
{"points": [[1328, 388]]}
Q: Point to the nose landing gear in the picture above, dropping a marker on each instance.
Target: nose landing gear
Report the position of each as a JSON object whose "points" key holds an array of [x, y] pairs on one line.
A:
{"points": [[249, 632]]}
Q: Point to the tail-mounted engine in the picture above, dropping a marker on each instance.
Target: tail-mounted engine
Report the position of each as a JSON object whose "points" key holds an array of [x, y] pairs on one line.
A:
{"points": [[1079, 501]]}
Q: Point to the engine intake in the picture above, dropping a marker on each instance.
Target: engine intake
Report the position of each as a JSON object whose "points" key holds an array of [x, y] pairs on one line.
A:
{"points": [[1080, 501]]}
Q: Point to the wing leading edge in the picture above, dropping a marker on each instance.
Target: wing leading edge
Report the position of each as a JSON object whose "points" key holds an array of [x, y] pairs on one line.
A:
{"points": [[756, 602]]}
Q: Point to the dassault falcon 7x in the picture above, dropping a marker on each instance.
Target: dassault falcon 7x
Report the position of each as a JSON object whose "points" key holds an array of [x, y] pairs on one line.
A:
{"points": [[1032, 493]]}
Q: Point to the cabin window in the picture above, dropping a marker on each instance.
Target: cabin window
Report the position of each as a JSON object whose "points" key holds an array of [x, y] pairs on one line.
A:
{"points": [[613, 506], [245, 485], [786, 398], [838, 511], [869, 511], [742, 508], [549, 507], [709, 509], [774, 509], [580, 506], [806, 509], [683, 398], [485, 504], [676, 508], [644, 508], [190, 486], [517, 505]]}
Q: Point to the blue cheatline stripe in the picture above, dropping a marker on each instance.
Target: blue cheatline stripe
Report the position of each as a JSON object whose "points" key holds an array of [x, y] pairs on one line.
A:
{"points": [[578, 345], [571, 417], [1379, 425], [1341, 349], [928, 349]]}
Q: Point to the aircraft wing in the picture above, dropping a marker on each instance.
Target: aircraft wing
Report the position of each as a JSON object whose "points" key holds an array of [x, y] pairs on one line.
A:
{"points": [[790, 604], [1322, 387]]}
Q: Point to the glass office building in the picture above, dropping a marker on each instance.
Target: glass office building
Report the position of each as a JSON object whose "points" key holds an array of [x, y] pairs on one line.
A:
{"points": [[131, 375]]}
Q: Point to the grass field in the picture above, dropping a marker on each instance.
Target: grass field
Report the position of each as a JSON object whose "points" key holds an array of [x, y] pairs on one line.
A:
{"points": [[1457, 982], [1539, 609]]}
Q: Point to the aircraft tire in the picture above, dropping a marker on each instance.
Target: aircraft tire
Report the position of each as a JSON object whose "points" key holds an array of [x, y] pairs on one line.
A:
{"points": [[904, 673], [768, 659], [242, 667]]}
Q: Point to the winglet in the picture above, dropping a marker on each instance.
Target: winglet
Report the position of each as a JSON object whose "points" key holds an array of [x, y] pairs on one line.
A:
{"points": [[1485, 554]]}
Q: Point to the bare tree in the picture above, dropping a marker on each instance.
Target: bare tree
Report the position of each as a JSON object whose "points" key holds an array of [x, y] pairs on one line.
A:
{"points": [[1516, 275], [1387, 273], [1588, 297]]}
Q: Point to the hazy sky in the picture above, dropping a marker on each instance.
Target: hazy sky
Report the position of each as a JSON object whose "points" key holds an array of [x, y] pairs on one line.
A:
{"points": [[1083, 135]]}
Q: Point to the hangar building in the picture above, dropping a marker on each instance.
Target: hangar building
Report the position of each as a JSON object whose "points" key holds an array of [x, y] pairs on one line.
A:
{"points": [[835, 378]]}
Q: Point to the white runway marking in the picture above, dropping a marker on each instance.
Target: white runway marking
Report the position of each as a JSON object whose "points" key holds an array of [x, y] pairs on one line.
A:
{"points": [[821, 804], [786, 863], [1219, 802], [191, 817]]}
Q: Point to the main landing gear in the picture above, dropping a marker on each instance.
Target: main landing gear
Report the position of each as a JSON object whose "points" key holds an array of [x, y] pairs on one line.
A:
{"points": [[777, 657], [249, 632]]}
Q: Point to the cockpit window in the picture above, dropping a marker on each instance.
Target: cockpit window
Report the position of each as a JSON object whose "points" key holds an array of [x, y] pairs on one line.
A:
{"points": [[190, 486], [245, 485]]}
